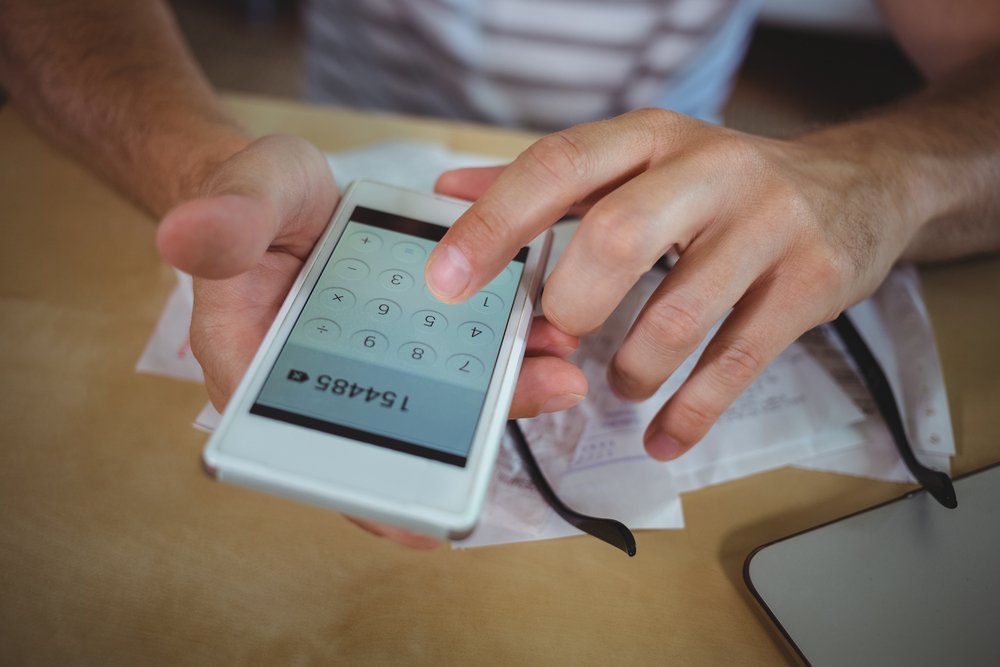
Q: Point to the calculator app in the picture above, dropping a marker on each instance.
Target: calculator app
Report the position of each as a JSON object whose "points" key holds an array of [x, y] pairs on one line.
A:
{"points": [[374, 356]]}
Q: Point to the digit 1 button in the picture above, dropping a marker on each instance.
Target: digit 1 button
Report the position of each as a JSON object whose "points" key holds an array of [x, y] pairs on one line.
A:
{"points": [[487, 303], [371, 342], [476, 333], [429, 321], [336, 298], [365, 241], [408, 252], [396, 280], [465, 365], [383, 310], [321, 330], [351, 269], [417, 353]]}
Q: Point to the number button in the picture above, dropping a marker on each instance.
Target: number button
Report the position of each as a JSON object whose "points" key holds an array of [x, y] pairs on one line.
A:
{"points": [[429, 320], [365, 242], [336, 298], [370, 341], [383, 310], [476, 333], [465, 365], [417, 353], [487, 303], [396, 280], [408, 252], [351, 269], [321, 330]]}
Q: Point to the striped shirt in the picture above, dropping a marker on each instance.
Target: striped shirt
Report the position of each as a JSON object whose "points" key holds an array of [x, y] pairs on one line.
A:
{"points": [[540, 64]]}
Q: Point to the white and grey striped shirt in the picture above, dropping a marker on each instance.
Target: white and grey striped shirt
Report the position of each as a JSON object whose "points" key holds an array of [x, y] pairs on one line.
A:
{"points": [[541, 64]]}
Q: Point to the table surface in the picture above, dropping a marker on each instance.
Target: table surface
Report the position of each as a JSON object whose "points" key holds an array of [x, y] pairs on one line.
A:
{"points": [[114, 546]]}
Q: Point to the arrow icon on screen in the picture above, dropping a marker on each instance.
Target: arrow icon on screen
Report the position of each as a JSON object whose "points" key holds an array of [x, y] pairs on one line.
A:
{"points": [[297, 376]]}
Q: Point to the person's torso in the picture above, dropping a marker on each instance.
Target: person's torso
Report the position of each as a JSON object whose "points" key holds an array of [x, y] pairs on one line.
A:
{"points": [[542, 64]]}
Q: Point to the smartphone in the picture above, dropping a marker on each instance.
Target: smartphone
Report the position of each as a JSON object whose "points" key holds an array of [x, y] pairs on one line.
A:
{"points": [[370, 396]]}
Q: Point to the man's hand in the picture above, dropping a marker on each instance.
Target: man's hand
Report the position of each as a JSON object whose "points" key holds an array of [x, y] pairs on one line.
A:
{"points": [[245, 240], [786, 234]]}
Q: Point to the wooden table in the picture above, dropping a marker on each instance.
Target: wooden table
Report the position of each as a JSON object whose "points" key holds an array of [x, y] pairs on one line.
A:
{"points": [[116, 548]]}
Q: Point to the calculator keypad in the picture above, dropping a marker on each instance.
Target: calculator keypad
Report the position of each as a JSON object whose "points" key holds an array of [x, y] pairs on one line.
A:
{"points": [[389, 317]]}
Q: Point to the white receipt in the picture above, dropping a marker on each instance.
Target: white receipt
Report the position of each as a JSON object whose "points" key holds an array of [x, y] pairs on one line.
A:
{"points": [[807, 409]]}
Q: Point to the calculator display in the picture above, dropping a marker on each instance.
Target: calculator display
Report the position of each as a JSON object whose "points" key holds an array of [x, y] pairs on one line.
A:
{"points": [[375, 357]]}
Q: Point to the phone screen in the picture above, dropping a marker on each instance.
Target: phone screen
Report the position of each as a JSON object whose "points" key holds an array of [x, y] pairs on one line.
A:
{"points": [[375, 357]]}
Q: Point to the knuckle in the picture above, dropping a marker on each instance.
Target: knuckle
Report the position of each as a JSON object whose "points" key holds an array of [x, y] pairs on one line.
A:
{"points": [[561, 156], [562, 316], [621, 235], [632, 378], [485, 227], [672, 324], [737, 363], [690, 420]]}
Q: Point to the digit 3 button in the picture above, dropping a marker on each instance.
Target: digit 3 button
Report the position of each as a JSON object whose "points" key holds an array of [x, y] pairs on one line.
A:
{"points": [[321, 330], [396, 280], [369, 341], [465, 365], [417, 353], [476, 333]]}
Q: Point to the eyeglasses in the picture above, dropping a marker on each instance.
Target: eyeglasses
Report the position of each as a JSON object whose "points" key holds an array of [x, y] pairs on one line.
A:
{"points": [[617, 534]]}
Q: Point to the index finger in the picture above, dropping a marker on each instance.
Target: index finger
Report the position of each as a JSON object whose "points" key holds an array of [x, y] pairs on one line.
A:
{"points": [[544, 181]]}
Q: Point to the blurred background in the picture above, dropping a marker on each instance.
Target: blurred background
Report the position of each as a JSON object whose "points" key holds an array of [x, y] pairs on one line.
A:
{"points": [[810, 62]]}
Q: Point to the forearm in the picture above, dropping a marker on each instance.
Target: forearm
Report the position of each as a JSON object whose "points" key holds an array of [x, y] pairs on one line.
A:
{"points": [[933, 163], [112, 81]]}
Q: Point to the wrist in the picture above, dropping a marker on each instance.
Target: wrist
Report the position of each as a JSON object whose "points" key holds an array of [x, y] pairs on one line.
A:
{"points": [[879, 180], [185, 162]]}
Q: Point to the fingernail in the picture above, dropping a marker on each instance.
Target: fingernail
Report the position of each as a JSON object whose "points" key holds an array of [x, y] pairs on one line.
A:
{"points": [[449, 272], [662, 447], [557, 403]]}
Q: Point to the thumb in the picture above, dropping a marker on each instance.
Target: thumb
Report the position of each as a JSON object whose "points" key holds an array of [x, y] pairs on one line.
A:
{"points": [[277, 191], [467, 183]]}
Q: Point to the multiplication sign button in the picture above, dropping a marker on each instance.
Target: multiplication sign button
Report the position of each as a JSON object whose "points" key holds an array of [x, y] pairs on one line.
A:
{"points": [[337, 298]]}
